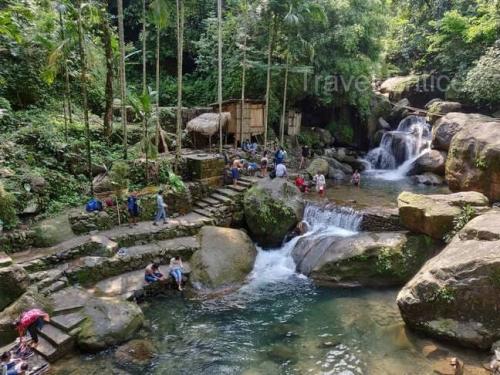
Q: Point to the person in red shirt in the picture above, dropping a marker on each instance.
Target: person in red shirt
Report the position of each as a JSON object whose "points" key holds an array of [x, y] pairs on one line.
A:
{"points": [[301, 184], [31, 321]]}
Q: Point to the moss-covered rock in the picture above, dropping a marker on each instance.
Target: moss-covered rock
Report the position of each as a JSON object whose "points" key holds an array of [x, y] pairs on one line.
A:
{"points": [[368, 259], [433, 214], [418, 89], [455, 295], [272, 209], [318, 165], [439, 108], [108, 322], [13, 282], [226, 257]]}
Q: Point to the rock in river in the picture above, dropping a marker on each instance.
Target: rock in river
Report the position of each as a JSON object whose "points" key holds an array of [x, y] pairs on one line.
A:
{"points": [[272, 209], [369, 258], [432, 161], [108, 322], [474, 160], [455, 296], [226, 257], [433, 214]]}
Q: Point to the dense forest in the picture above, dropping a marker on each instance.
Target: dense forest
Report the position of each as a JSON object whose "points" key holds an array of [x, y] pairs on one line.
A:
{"points": [[61, 79]]}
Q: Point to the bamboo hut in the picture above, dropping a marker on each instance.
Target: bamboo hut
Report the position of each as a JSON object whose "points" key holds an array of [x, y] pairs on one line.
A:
{"points": [[253, 116], [207, 125]]}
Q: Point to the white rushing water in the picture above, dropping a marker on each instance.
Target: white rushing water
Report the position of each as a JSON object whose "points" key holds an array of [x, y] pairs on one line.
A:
{"points": [[278, 265], [400, 148]]}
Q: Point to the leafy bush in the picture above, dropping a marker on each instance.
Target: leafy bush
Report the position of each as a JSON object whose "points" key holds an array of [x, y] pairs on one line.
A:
{"points": [[8, 214]]}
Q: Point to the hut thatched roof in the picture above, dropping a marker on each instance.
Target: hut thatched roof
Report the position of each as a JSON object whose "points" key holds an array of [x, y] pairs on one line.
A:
{"points": [[208, 123]]}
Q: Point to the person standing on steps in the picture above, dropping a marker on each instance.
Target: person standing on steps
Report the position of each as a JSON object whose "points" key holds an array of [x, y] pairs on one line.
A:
{"points": [[176, 269], [279, 156], [133, 209], [264, 161], [235, 171], [31, 321], [161, 207], [304, 156]]}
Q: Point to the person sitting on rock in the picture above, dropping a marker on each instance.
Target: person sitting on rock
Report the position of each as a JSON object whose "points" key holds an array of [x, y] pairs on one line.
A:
{"points": [[152, 273], [176, 270], [8, 364], [281, 170], [31, 321], [301, 184]]}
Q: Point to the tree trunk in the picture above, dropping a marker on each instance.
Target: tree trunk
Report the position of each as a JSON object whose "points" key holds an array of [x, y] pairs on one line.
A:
{"points": [[83, 77], [243, 76], [180, 41], [67, 92], [108, 51], [219, 17], [123, 81], [144, 88], [268, 82], [158, 127], [283, 114]]}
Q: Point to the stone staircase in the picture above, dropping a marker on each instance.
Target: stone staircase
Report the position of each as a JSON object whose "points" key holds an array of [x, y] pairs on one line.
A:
{"points": [[218, 205]]}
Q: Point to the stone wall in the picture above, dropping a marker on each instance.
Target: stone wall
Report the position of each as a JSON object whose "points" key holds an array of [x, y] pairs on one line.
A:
{"points": [[379, 219], [17, 240]]}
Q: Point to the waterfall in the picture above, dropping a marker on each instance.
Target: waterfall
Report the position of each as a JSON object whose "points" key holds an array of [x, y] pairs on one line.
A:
{"points": [[399, 148], [278, 265]]}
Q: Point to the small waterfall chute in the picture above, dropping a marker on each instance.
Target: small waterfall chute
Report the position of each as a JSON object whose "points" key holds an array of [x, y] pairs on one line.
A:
{"points": [[400, 147]]}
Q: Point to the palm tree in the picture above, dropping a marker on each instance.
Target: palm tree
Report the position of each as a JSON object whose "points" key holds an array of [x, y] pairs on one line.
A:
{"points": [[180, 41], [160, 18], [123, 82], [83, 79], [219, 81]]}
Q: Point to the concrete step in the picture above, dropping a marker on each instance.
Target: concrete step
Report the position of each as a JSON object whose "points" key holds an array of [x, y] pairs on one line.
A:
{"points": [[201, 204], [55, 287], [221, 198], [249, 179], [237, 188], [210, 201], [67, 309], [227, 192], [55, 336], [203, 212], [244, 183], [47, 350], [68, 322]]}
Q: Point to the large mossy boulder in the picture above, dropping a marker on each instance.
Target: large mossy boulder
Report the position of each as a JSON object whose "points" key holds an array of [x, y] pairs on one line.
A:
{"points": [[108, 322], [226, 257], [439, 108], [432, 161], [272, 209], [433, 214], [29, 300], [14, 281], [368, 259], [473, 161], [418, 89], [449, 125], [318, 165], [456, 295]]}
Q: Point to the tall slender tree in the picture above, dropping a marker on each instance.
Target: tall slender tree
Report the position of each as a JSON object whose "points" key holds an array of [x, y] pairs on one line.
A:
{"points": [[107, 37], [160, 18], [219, 80], [180, 43], [243, 70], [285, 88], [61, 8], [270, 49], [123, 81], [83, 83], [144, 87]]}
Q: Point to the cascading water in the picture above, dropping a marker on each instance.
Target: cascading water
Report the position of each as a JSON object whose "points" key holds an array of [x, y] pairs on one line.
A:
{"points": [[399, 148], [278, 265]]}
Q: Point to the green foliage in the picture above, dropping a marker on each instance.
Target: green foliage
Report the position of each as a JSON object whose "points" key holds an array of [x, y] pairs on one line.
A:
{"points": [[481, 163], [443, 294], [119, 178], [175, 182], [8, 215], [482, 82], [466, 214]]}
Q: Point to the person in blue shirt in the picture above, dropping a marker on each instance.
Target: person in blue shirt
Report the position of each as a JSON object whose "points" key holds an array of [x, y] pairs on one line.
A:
{"points": [[133, 209], [279, 156], [161, 212]]}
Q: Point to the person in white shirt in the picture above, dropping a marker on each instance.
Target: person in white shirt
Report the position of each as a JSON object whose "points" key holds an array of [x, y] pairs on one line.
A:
{"points": [[281, 170], [320, 181]]}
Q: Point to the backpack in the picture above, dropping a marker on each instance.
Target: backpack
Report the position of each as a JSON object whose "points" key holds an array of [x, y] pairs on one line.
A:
{"points": [[93, 205], [272, 175]]}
